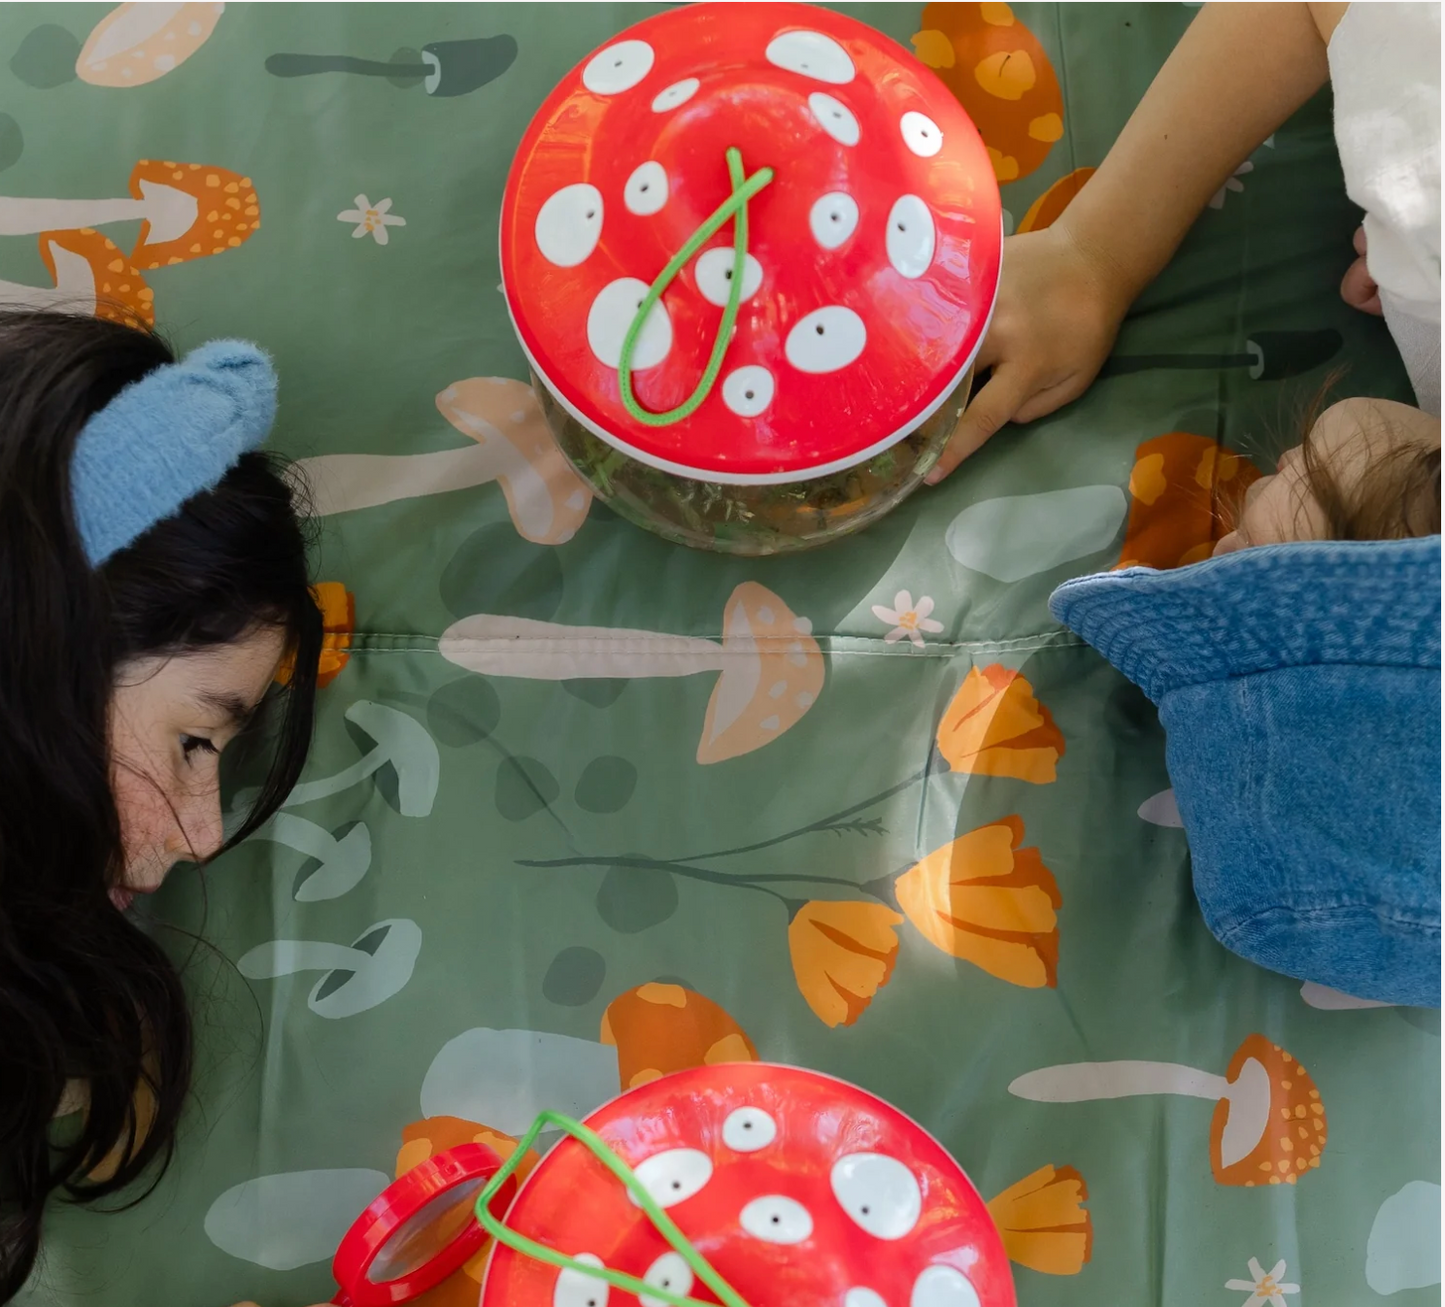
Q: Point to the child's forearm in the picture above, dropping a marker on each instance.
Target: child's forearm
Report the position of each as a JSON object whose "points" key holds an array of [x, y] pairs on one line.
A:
{"points": [[1238, 72]]}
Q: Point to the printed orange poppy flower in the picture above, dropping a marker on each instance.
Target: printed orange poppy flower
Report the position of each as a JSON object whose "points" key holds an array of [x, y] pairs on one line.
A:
{"points": [[1043, 1221], [338, 625], [995, 727], [1049, 207], [660, 1028], [843, 954], [984, 899], [1185, 493], [423, 1139], [1001, 75]]}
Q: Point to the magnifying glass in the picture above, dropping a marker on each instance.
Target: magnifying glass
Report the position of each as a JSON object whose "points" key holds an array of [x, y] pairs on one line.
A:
{"points": [[419, 1230]]}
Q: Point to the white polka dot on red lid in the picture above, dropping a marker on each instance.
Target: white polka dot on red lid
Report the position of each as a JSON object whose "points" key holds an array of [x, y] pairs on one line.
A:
{"points": [[911, 236], [834, 117], [833, 219], [670, 1272], [574, 1289], [645, 191], [880, 1194], [714, 273], [775, 1218], [608, 321], [863, 1298], [747, 1129], [674, 1175], [921, 134], [812, 54], [676, 94], [569, 224], [618, 68], [826, 339], [747, 392], [943, 1286]]}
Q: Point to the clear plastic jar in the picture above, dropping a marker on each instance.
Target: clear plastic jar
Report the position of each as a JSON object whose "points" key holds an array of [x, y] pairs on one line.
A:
{"points": [[754, 520]]}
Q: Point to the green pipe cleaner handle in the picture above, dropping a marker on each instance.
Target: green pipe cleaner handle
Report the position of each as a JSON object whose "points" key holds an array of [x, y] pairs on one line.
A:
{"points": [[663, 1223], [735, 207]]}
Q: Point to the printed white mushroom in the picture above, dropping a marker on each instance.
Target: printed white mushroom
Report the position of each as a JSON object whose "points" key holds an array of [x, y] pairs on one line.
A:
{"points": [[748, 1129], [1161, 809], [670, 1272], [921, 134], [1326, 999], [911, 236], [943, 1286], [833, 219], [770, 669], [674, 1175], [748, 391], [569, 224], [826, 339], [861, 1297], [879, 1193], [834, 117], [714, 273], [292, 1219], [813, 55], [618, 68], [775, 1218], [170, 211], [136, 43], [611, 315], [676, 94], [374, 968], [342, 863], [645, 191], [577, 1289], [511, 444]]}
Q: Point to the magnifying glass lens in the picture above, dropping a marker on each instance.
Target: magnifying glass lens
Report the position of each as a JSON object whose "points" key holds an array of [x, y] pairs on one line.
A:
{"points": [[426, 1233]]}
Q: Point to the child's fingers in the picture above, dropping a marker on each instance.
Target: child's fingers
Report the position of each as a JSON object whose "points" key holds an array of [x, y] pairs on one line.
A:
{"points": [[1360, 243], [1358, 289], [994, 405]]}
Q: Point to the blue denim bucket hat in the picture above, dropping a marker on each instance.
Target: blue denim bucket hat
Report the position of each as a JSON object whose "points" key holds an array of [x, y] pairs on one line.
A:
{"points": [[1299, 687]]}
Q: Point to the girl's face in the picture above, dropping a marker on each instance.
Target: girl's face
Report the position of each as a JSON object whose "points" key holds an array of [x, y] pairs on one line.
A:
{"points": [[170, 717], [1348, 438]]}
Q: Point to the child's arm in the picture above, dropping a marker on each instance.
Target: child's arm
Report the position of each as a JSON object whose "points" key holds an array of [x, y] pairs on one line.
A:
{"points": [[1236, 75]]}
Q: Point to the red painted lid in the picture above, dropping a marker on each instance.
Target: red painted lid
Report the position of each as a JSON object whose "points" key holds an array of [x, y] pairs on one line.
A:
{"points": [[796, 1187], [873, 252]]}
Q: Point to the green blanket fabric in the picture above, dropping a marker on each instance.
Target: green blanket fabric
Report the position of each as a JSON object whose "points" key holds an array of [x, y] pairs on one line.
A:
{"points": [[949, 869]]}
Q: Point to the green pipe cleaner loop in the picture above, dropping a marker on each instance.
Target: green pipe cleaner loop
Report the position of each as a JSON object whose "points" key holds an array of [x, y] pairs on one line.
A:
{"points": [[663, 1223], [735, 207]]}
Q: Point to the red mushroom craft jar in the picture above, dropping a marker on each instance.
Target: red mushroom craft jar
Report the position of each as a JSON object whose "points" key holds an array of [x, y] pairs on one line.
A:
{"points": [[794, 1187], [750, 252]]}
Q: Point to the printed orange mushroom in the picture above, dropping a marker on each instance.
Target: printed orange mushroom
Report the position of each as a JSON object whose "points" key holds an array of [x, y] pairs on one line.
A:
{"points": [[984, 899], [136, 43], [1045, 210], [660, 1028], [770, 669], [187, 211], [547, 500], [1184, 493], [423, 1139], [994, 726], [1269, 1122], [1002, 77], [338, 625], [1043, 1221], [91, 275], [843, 954]]}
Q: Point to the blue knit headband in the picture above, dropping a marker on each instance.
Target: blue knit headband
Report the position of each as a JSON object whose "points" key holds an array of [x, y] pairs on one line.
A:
{"points": [[172, 434]]}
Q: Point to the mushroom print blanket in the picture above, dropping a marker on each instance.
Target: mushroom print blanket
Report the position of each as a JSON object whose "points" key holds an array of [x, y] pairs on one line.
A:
{"points": [[933, 851]]}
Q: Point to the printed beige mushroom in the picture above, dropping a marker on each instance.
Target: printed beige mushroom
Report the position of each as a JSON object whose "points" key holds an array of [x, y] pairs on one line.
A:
{"points": [[137, 43], [547, 500], [1269, 1120], [770, 669]]}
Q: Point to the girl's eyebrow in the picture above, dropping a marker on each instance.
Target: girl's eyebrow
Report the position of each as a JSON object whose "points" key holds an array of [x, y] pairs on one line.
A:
{"points": [[232, 707]]}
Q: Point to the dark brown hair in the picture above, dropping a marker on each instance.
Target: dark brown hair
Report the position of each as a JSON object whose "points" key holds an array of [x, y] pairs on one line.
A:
{"points": [[87, 997]]}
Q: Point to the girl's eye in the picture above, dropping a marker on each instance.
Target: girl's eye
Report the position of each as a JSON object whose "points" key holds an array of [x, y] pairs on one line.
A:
{"points": [[191, 744]]}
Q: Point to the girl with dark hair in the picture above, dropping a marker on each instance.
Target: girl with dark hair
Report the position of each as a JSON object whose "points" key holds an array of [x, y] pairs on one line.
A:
{"points": [[153, 579]]}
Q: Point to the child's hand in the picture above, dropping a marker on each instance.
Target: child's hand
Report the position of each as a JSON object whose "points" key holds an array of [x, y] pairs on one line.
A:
{"points": [[1358, 289], [1057, 315]]}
